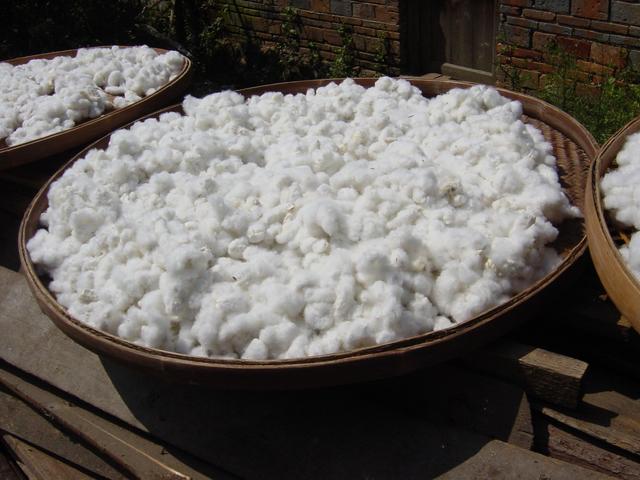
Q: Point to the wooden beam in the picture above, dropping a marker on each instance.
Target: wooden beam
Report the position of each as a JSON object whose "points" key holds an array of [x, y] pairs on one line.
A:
{"points": [[609, 411], [546, 375], [38, 465], [22, 422], [140, 457], [9, 470], [563, 443]]}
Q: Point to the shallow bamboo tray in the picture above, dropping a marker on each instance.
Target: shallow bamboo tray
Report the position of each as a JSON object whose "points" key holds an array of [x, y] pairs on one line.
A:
{"points": [[96, 127], [619, 283], [574, 148]]}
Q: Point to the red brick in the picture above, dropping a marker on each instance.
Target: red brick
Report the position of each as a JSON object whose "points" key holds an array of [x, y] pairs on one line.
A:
{"points": [[624, 40], [526, 53], [544, 80], [385, 15], [579, 48], [314, 34], [582, 76], [518, 36], [323, 6], [573, 21], [365, 31], [522, 22], [610, 27], [332, 37], [540, 40], [516, 3], [529, 78], [591, 35], [586, 90], [538, 14], [364, 10], [607, 55], [530, 65], [376, 24], [554, 28], [591, 67], [510, 10], [597, 9]]}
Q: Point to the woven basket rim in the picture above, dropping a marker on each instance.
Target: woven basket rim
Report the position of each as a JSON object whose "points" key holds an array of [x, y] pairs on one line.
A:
{"points": [[395, 348], [601, 165], [7, 153]]}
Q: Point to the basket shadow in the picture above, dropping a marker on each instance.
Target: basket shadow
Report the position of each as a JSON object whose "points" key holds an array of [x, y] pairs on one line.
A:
{"points": [[420, 425]]}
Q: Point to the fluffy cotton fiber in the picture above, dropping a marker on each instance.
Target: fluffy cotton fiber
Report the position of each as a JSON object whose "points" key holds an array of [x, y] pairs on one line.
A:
{"points": [[621, 191], [43, 97], [287, 226]]}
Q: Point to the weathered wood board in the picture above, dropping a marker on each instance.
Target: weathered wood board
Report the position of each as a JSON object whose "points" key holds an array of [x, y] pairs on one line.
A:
{"points": [[140, 457], [38, 465], [564, 443], [549, 376], [22, 422]]}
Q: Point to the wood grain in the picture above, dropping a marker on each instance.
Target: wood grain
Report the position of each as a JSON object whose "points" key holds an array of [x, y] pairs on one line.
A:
{"points": [[563, 443], [140, 457], [38, 465], [22, 422], [547, 375], [609, 411]]}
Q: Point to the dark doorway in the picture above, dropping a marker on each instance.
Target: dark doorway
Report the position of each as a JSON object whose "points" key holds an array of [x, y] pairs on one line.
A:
{"points": [[454, 37]]}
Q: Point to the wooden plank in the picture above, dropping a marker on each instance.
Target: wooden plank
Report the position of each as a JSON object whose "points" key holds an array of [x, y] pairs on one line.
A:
{"points": [[8, 468], [507, 461], [22, 422], [609, 411], [459, 72], [38, 465], [467, 400], [137, 455], [247, 433], [547, 375], [565, 444]]}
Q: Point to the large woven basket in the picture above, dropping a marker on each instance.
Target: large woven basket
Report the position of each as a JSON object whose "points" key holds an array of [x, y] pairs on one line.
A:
{"points": [[574, 148], [620, 284], [94, 128]]}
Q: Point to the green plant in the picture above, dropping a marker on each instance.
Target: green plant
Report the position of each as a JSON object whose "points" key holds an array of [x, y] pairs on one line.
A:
{"points": [[560, 86], [382, 53], [605, 105], [288, 52], [344, 63]]}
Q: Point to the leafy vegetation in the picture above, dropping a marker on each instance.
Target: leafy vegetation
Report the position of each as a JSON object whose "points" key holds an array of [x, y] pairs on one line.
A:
{"points": [[223, 55], [344, 63], [602, 103]]}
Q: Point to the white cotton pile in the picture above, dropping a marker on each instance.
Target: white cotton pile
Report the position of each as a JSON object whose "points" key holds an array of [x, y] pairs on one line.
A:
{"points": [[621, 195], [43, 97], [286, 226]]}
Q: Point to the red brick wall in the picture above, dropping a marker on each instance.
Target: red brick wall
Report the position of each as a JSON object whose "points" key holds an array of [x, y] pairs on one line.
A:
{"points": [[319, 22], [603, 35]]}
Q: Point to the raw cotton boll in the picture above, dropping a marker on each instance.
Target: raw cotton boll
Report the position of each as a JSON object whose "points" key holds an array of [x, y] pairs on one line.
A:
{"points": [[621, 197], [631, 254], [53, 95], [282, 226]]}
